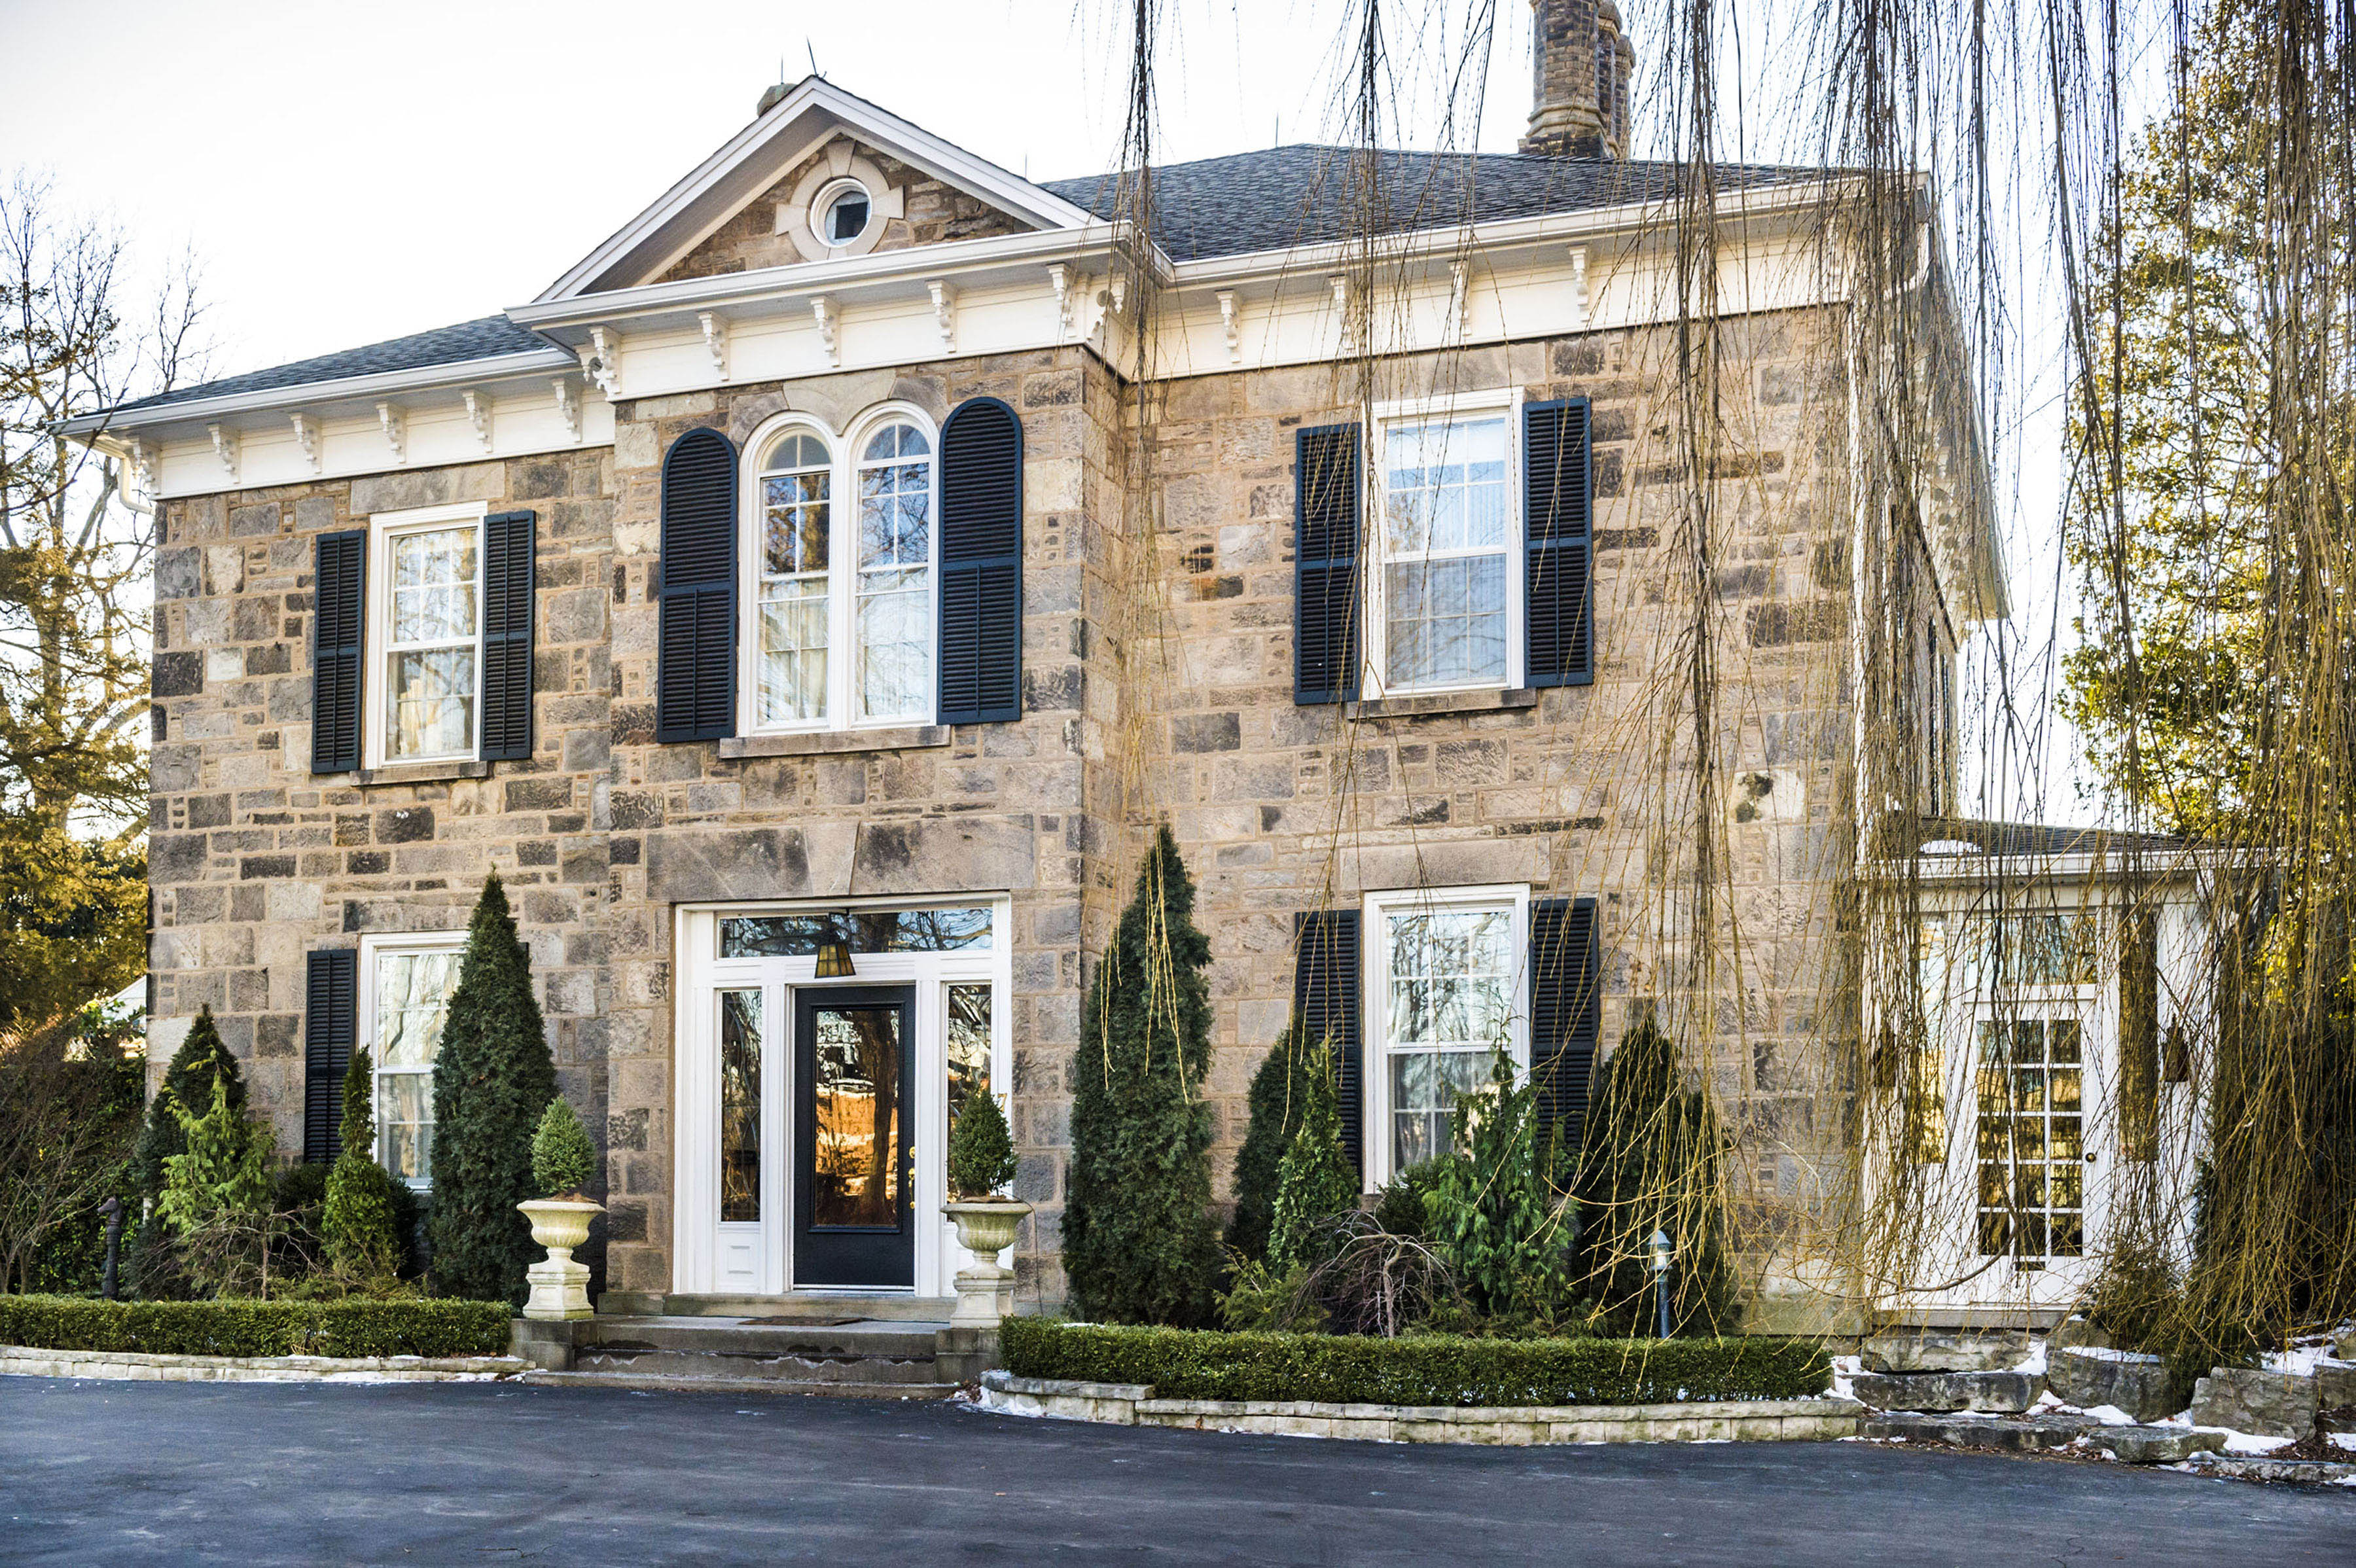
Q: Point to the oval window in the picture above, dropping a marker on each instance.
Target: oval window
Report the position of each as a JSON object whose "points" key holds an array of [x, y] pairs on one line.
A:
{"points": [[845, 217]]}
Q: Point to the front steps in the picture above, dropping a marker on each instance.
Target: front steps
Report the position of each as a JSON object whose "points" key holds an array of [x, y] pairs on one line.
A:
{"points": [[793, 1351]]}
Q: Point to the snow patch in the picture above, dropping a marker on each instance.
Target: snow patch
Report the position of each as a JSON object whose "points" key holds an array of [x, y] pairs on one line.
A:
{"points": [[2243, 1443]]}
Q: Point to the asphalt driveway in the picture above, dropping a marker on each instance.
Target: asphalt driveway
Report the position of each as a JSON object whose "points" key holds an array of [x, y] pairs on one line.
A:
{"points": [[254, 1473]]}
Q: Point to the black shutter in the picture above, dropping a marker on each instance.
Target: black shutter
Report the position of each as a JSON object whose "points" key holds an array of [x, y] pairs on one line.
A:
{"points": [[1566, 1008], [1325, 1003], [981, 564], [695, 657], [338, 617], [1559, 523], [508, 569], [1325, 505], [330, 1019]]}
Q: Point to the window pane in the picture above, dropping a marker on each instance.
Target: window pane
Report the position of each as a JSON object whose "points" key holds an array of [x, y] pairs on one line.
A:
{"points": [[405, 1124], [1447, 621], [1424, 1087], [896, 643], [740, 1105], [855, 1166], [412, 997], [968, 1048], [431, 706], [795, 509], [793, 650], [1446, 481], [1452, 975], [871, 931], [796, 449]]}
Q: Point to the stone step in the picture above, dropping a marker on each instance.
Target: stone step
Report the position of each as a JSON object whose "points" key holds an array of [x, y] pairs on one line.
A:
{"points": [[813, 1306], [750, 1366], [1990, 1392], [848, 1339], [712, 1385], [2045, 1433]]}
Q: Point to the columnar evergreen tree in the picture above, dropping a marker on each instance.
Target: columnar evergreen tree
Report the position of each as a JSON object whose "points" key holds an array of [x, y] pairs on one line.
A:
{"points": [[1277, 1091], [1138, 1245], [1315, 1179], [201, 1058], [1654, 1161], [224, 1169], [357, 1220], [492, 1081]]}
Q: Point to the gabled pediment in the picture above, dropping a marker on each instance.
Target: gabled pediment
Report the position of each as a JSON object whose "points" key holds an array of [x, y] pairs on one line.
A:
{"points": [[758, 201]]}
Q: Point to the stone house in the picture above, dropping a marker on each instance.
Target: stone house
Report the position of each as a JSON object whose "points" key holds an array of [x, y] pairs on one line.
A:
{"points": [[805, 603]]}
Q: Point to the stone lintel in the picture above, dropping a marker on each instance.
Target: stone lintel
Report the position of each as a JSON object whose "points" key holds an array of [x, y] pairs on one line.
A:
{"points": [[1484, 702], [835, 742], [423, 772]]}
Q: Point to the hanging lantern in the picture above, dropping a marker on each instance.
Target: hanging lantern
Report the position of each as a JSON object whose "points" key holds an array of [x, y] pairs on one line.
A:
{"points": [[834, 952]]}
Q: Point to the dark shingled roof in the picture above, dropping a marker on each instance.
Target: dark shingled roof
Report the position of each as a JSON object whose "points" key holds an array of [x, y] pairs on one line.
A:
{"points": [[1300, 195], [478, 339], [2039, 838]]}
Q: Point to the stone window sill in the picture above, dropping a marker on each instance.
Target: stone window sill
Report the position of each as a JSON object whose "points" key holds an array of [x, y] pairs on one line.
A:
{"points": [[835, 742], [423, 772], [1488, 702]]}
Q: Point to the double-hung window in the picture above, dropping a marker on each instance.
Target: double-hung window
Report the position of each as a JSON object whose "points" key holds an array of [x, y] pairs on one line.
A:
{"points": [[409, 981], [425, 625], [1445, 599], [842, 556], [1445, 991]]}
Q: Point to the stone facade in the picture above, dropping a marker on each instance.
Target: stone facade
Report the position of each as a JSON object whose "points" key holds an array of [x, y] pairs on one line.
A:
{"points": [[1157, 684]]}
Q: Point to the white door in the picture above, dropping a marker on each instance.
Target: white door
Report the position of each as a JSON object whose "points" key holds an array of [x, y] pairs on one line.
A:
{"points": [[2041, 1140]]}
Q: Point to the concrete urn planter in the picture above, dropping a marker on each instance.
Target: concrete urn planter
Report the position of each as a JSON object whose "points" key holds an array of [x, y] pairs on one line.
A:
{"points": [[560, 1287], [985, 1226]]}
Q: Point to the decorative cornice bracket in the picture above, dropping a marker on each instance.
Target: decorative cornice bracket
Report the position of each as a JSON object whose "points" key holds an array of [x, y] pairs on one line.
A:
{"points": [[601, 361], [1228, 323], [225, 447], [1578, 282], [1059, 278], [1459, 299], [395, 424], [829, 328], [1341, 288], [715, 341], [945, 303], [479, 414], [568, 405]]}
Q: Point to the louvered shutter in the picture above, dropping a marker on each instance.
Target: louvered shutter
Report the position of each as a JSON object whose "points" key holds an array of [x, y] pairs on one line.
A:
{"points": [[695, 655], [1566, 1008], [331, 1021], [1559, 521], [508, 569], [338, 622], [1326, 500], [1325, 1001], [981, 564]]}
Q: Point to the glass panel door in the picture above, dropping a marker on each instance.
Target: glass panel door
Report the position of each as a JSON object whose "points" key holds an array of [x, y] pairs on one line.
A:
{"points": [[851, 1175], [2032, 1084]]}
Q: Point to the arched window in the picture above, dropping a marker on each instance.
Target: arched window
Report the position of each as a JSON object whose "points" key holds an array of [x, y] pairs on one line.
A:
{"points": [[837, 649], [895, 574], [797, 525]]}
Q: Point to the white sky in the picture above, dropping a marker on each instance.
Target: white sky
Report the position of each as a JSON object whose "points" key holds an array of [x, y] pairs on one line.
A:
{"points": [[348, 173]]}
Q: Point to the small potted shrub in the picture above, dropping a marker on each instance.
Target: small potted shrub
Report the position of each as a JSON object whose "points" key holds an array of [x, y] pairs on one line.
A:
{"points": [[980, 1166], [563, 1160]]}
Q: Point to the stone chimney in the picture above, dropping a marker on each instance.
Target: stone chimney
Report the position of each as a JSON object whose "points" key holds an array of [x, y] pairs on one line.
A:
{"points": [[1580, 106]]}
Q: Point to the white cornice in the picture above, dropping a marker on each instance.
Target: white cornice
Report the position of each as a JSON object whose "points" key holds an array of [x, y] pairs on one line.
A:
{"points": [[532, 363]]}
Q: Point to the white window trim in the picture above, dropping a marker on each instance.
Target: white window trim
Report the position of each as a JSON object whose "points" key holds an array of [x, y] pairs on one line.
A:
{"points": [[823, 204], [842, 570], [1374, 958], [371, 947], [382, 527], [1377, 636]]}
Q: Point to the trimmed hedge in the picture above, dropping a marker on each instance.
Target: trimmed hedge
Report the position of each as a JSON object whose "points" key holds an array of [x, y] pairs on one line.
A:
{"points": [[257, 1327], [1421, 1369]]}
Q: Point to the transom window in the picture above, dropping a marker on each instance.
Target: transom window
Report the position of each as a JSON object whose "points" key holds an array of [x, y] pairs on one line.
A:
{"points": [[1448, 593], [879, 613], [410, 987], [1446, 1001], [427, 624]]}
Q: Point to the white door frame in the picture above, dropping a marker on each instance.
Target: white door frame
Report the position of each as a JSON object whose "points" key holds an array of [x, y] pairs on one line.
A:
{"points": [[701, 1243]]}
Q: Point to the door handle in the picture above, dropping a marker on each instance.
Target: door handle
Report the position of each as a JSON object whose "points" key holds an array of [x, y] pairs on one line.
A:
{"points": [[2090, 1159]]}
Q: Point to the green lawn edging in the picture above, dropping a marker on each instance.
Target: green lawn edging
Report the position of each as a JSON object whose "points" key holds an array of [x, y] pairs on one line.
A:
{"points": [[1419, 1369], [428, 1327]]}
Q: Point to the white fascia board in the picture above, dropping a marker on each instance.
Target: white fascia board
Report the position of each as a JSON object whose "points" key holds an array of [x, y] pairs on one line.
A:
{"points": [[750, 292], [1978, 872], [532, 362], [841, 112]]}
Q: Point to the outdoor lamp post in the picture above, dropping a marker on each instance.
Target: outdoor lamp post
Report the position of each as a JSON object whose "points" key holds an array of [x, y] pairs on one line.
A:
{"points": [[1662, 1253], [111, 1209]]}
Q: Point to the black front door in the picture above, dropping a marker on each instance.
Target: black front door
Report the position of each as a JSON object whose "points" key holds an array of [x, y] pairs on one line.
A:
{"points": [[852, 1166]]}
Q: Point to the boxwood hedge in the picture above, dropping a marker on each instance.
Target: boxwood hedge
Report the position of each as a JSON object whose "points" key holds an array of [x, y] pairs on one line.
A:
{"points": [[257, 1327], [1419, 1369]]}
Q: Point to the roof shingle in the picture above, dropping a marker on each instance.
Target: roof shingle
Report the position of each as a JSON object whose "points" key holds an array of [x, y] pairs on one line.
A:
{"points": [[481, 339]]}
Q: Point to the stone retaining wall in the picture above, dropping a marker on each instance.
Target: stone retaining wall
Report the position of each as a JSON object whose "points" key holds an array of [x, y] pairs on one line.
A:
{"points": [[1134, 1405], [134, 1366]]}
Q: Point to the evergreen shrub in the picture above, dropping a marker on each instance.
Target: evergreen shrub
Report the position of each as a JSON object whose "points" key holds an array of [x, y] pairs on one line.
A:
{"points": [[1489, 1209], [1138, 1245], [1275, 1103], [493, 1079], [188, 1081], [563, 1157], [1315, 1179], [225, 1167], [356, 1223], [981, 1150], [1417, 1370], [240, 1327]]}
